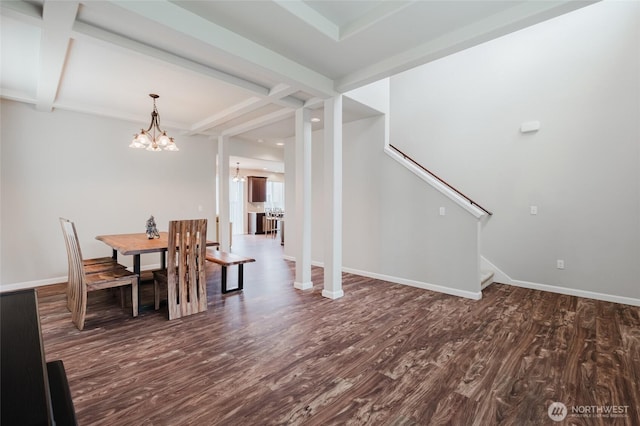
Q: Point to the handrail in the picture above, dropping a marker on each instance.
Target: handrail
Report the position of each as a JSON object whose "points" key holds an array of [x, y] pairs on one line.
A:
{"points": [[406, 157]]}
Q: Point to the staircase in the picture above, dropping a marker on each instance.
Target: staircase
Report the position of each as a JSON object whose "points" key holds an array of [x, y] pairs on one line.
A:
{"points": [[486, 278]]}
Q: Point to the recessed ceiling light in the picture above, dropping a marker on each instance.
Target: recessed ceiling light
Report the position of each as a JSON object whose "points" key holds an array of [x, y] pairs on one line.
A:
{"points": [[315, 120], [279, 143], [260, 140]]}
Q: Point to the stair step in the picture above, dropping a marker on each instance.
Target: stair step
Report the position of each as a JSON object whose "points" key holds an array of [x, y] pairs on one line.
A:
{"points": [[486, 278]]}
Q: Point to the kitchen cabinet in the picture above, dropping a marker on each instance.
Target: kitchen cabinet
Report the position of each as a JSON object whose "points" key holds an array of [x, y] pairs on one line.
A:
{"points": [[257, 186], [256, 223]]}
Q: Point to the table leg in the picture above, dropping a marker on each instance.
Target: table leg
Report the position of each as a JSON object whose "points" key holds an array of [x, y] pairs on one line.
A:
{"points": [[223, 279], [136, 270]]}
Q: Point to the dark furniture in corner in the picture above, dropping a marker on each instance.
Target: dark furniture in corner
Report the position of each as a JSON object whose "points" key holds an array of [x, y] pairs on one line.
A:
{"points": [[32, 391], [257, 189], [256, 223]]}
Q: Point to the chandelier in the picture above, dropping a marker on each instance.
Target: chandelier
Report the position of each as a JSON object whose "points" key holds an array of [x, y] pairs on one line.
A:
{"points": [[237, 177], [148, 138]]}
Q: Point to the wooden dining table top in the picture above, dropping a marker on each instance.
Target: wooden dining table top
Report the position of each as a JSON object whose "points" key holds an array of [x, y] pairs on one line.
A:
{"points": [[139, 243]]}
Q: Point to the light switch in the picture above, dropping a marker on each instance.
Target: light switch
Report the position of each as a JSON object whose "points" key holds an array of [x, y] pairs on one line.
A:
{"points": [[534, 210], [530, 127], [443, 211]]}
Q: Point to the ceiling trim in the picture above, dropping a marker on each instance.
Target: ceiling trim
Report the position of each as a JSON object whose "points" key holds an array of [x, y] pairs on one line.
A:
{"points": [[281, 68], [228, 114], [315, 19], [515, 18], [86, 31], [382, 11], [312, 17], [57, 21], [24, 12], [279, 94], [261, 121]]}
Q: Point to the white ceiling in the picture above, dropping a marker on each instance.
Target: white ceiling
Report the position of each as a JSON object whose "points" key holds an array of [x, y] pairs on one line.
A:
{"points": [[236, 68]]}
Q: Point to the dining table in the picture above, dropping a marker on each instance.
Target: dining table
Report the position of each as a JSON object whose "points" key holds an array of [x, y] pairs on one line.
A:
{"points": [[139, 243]]}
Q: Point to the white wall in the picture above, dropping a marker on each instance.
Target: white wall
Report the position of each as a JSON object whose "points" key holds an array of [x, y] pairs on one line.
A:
{"points": [[79, 166], [579, 75], [391, 224]]}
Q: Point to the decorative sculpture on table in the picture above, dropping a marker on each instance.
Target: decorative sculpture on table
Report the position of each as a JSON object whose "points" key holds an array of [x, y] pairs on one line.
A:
{"points": [[152, 231]]}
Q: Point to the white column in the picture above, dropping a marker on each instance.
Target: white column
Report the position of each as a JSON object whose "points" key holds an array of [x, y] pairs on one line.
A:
{"points": [[223, 181], [333, 198], [303, 200]]}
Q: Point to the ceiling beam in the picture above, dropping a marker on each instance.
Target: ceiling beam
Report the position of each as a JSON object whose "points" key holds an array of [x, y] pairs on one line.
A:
{"points": [[24, 12], [256, 123], [57, 21], [82, 30], [312, 17], [86, 31], [279, 94], [380, 12], [228, 114], [519, 16], [279, 67]]}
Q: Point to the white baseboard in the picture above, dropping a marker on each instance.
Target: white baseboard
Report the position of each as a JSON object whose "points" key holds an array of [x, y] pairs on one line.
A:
{"points": [[32, 284], [303, 286], [403, 281], [576, 292], [332, 294], [418, 284], [57, 280], [499, 276], [502, 278]]}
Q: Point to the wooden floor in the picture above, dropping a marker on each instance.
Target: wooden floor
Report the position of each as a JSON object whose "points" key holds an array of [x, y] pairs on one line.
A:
{"points": [[384, 354]]}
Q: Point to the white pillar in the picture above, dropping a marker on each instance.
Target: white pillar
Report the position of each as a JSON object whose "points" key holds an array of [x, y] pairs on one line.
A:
{"points": [[303, 200], [333, 198], [223, 181]]}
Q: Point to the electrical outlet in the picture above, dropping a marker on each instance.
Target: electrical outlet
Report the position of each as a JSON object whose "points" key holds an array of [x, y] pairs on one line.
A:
{"points": [[533, 210], [443, 211], [560, 264]]}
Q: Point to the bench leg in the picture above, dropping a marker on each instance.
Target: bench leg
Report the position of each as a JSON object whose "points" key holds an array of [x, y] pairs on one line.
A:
{"points": [[223, 279]]}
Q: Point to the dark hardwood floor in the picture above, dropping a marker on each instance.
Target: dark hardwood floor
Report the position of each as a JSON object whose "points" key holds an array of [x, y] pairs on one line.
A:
{"points": [[384, 354]]}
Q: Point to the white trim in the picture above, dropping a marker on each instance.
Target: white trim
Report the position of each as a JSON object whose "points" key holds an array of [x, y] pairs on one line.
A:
{"points": [[58, 280], [403, 281], [575, 292], [32, 284], [499, 276], [332, 294], [303, 286], [418, 284], [445, 190]]}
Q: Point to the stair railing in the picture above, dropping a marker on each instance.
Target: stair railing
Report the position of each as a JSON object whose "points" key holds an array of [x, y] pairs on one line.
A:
{"points": [[406, 157]]}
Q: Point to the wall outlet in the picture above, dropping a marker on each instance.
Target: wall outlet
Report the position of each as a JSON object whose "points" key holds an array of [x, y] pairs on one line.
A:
{"points": [[560, 264], [443, 211], [533, 210]]}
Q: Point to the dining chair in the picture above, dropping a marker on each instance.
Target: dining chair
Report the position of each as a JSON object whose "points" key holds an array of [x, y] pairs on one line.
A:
{"points": [[184, 276], [91, 277], [92, 265]]}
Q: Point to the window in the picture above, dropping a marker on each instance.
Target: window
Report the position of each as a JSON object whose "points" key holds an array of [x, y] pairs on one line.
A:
{"points": [[275, 195]]}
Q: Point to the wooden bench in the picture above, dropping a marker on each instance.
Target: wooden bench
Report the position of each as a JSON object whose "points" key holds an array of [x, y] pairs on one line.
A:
{"points": [[228, 259]]}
